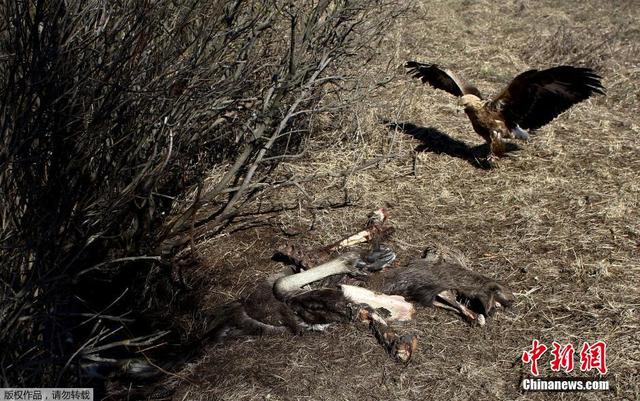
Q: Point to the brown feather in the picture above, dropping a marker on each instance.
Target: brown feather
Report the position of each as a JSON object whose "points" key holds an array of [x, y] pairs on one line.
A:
{"points": [[534, 98], [441, 79]]}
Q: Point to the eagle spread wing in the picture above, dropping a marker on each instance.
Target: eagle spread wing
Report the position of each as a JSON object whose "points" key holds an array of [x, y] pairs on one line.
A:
{"points": [[441, 79], [534, 97]]}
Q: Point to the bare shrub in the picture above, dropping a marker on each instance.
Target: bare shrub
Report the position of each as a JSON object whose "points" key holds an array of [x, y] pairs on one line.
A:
{"points": [[110, 112]]}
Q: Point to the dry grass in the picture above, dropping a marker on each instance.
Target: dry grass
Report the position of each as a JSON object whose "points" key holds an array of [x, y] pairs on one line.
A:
{"points": [[558, 221]]}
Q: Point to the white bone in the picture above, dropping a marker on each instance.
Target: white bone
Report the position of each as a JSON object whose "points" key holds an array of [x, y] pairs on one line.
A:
{"points": [[399, 309]]}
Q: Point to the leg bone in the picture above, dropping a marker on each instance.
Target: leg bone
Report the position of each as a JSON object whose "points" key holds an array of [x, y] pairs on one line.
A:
{"points": [[400, 347], [292, 285], [450, 302]]}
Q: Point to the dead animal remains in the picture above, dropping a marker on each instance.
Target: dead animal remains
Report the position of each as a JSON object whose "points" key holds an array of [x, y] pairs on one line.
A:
{"points": [[335, 284], [334, 291], [531, 100]]}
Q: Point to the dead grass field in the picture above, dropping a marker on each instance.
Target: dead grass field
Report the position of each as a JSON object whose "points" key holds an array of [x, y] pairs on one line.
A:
{"points": [[558, 221]]}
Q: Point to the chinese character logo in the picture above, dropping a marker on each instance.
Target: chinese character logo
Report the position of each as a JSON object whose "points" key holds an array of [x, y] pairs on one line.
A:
{"points": [[532, 356], [562, 357], [594, 357]]}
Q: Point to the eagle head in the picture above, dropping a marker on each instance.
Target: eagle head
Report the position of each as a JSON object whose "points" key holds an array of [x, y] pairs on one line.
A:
{"points": [[470, 102]]}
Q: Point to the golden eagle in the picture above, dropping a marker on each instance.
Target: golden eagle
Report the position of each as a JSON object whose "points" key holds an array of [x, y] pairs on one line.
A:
{"points": [[531, 100]]}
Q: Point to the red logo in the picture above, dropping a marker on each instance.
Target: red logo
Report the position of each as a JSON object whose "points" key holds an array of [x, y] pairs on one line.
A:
{"points": [[562, 357], [592, 356], [532, 356]]}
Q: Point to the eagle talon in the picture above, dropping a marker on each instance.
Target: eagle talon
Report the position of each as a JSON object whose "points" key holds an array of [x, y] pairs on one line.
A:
{"points": [[492, 160]]}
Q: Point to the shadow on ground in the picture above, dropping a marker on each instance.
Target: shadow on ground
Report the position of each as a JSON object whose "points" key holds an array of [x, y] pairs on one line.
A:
{"points": [[435, 141]]}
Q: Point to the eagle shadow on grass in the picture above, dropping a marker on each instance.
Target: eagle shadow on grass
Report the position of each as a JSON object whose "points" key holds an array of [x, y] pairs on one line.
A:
{"points": [[435, 141]]}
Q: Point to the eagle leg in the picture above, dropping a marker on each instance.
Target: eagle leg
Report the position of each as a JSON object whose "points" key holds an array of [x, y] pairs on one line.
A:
{"points": [[497, 147]]}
